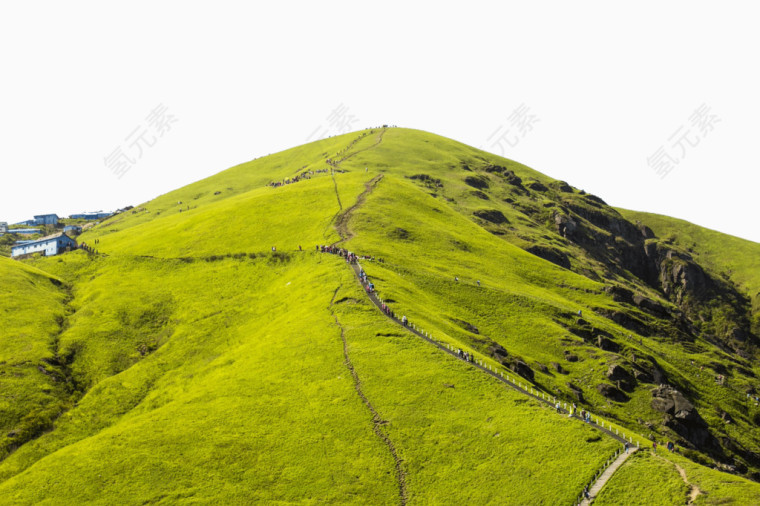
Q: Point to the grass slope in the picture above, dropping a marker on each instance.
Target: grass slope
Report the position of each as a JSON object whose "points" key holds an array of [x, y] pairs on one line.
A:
{"points": [[210, 369], [33, 391]]}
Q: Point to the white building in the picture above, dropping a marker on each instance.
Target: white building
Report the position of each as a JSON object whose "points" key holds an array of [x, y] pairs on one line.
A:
{"points": [[48, 246], [3, 227]]}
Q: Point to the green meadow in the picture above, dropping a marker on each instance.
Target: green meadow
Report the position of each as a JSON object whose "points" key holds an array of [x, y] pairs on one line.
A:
{"points": [[191, 362]]}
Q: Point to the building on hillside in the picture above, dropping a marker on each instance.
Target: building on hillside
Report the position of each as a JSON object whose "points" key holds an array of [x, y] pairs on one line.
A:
{"points": [[27, 223], [46, 219], [24, 231], [3, 227], [74, 229], [48, 246], [90, 216]]}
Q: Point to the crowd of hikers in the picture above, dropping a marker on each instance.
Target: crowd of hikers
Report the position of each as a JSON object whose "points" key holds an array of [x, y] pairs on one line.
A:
{"points": [[300, 177], [344, 253]]}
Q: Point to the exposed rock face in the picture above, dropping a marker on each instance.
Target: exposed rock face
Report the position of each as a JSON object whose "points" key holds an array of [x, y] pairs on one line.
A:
{"points": [[554, 256], [576, 391], [650, 305], [521, 368], [479, 182], [619, 294], [611, 392], [497, 351], [667, 399], [566, 226], [492, 215], [621, 377], [537, 186], [682, 417], [469, 327], [505, 173], [607, 344]]}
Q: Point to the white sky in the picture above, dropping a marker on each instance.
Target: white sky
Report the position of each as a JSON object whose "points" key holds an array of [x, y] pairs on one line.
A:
{"points": [[608, 87]]}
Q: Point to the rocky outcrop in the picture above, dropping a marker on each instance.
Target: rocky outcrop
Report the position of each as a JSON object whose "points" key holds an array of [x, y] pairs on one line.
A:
{"points": [[503, 172], [576, 392], [491, 215], [683, 418], [479, 182], [623, 379], [537, 186], [566, 226], [553, 255], [521, 368], [610, 392], [607, 344]]}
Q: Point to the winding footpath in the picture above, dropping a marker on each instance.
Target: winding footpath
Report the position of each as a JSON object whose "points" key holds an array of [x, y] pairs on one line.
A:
{"points": [[377, 421], [340, 222]]}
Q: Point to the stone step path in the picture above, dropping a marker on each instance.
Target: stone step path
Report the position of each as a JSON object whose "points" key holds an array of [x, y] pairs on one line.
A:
{"points": [[527, 390], [606, 475]]}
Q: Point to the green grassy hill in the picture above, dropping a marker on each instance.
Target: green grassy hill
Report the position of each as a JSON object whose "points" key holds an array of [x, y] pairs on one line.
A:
{"points": [[192, 363], [732, 257]]}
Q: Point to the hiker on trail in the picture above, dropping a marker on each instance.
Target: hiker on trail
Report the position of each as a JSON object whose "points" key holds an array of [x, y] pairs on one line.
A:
{"points": [[585, 493], [671, 446], [456, 278], [654, 446], [580, 313], [404, 321], [626, 448], [274, 248], [299, 248], [558, 408], [478, 282]]}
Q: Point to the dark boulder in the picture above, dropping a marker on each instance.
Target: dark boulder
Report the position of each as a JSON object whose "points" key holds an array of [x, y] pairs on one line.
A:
{"points": [[521, 368], [492, 215], [565, 225], [576, 392], [479, 182], [497, 351], [595, 199], [612, 393], [619, 294], [621, 377], [667, 399], [607, 344], [570, 357], [537, 186]]}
